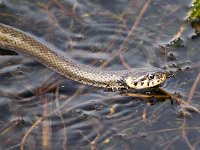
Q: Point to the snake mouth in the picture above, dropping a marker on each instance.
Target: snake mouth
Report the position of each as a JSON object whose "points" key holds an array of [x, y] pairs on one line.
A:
{"points": [[147, 81]]}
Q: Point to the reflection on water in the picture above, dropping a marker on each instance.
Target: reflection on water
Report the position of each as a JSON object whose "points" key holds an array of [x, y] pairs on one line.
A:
{"points": [[40, 109]]}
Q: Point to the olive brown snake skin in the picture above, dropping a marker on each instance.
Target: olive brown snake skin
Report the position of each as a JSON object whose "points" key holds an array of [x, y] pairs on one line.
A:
{"points": [[14, 39]]}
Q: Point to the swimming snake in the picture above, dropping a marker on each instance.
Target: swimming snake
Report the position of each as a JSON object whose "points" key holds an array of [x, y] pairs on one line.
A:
{"points": [[141, 78]]}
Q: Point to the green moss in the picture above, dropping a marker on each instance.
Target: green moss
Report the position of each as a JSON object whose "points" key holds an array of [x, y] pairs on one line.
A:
{"points": [[195, 11], [194, 16]]}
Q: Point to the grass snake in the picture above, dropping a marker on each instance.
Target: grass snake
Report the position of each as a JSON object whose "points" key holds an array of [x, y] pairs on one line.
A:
{"points": [[141, 78]]}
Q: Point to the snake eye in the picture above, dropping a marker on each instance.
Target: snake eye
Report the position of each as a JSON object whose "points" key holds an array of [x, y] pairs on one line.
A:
{"points": [[150, 76]]}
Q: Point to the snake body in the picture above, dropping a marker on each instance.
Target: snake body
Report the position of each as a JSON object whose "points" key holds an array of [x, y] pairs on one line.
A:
{"points": [[14, 39]]}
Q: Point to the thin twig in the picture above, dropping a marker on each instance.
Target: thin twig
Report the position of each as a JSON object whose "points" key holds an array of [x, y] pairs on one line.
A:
{"points": [[194, 86], [137, 21]]}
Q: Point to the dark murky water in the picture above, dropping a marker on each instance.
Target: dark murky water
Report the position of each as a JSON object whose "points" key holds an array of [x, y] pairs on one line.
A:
{"points": [[40, 109]]}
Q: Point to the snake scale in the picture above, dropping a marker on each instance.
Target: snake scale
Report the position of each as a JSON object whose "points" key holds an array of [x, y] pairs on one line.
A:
{"points": [[14, 39]]}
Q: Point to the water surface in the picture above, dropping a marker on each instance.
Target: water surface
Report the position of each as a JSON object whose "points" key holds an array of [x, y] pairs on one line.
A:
{"points": [[112, 34]]}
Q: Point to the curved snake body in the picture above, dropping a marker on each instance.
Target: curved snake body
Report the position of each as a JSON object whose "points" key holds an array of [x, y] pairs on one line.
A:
{"points": [[14, 39]]}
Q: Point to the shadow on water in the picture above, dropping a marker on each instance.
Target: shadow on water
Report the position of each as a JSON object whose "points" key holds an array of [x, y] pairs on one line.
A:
{"points": [[40, 109]]}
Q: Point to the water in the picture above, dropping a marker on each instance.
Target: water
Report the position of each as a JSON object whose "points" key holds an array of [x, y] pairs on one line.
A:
{"points": [[98, 33]]}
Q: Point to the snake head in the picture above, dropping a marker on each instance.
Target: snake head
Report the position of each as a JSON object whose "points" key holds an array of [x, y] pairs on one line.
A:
{"points": [[146, 81]]}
